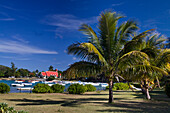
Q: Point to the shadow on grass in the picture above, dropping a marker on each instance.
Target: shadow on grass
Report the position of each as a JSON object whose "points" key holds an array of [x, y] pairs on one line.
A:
{"points": [[98, 94], [71, 102], [156, 95], [125, 106], [133, 104], [159, 103]]}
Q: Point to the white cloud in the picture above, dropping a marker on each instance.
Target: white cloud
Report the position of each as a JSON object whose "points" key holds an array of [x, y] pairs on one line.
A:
{"points": [[18, 38], [118, 4], [7, 19], [15, 58], [67, 21], [58, 36], [74, 58], [151, 23], [7, 7], [10, 46], [65, 51]]}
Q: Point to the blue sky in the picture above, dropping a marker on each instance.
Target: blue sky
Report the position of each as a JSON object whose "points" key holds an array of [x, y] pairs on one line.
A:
{"points": [[34, 34]]}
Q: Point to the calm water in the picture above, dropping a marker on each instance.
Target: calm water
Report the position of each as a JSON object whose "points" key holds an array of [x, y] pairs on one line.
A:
{"points": [[14, 89]]}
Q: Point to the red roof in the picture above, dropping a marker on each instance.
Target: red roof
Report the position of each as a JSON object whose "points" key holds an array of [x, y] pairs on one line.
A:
{"points": [[50, 73]]}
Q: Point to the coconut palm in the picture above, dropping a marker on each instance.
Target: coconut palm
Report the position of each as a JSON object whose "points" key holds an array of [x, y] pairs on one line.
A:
{"points": [[102, 53], [155, 67]]}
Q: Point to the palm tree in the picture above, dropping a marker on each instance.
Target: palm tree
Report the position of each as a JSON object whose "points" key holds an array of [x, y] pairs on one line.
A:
{"points": [[155, 67], [102, 53]]}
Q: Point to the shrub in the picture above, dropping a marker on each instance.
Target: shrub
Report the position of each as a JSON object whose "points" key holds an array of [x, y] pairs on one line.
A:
{"points": [[120, 86], [51, 78], [42, 88], [107, 87], [76, 89], [5, 109], [90, 87], [57, 88], [167, 89], [4, 88]]}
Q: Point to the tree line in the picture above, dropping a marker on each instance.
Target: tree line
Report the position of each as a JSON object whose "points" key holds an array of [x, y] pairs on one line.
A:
{"points": [[15, 72]]}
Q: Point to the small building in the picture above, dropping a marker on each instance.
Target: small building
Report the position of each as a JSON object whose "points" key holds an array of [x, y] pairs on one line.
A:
{"points": [[50, 73]]}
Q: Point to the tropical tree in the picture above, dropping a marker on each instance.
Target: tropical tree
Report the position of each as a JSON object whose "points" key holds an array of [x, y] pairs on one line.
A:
{"points": [[13, 68], [1, 74], [50, 68], [23, 72], [36, 71], [102, 53], [154, 68]]}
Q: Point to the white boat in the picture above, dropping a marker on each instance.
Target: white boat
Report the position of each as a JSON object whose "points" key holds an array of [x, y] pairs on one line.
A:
{"points": [[27, 84], [18, 81], [104, 84], [94, 84], [25, 88], [34, 81], [17, 85]]}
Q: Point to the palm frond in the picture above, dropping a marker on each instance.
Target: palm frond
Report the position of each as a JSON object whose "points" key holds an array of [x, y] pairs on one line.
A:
{"points": [[92, 37], [127, 29], [151, 70], [92, 49], [132, 58], [163, 59], [107, 27], [83, 68], [86, 51], [137, 42], [151, 52]]}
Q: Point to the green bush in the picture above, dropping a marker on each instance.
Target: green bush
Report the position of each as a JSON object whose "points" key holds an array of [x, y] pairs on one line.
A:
{"points": [[5, 109], [90, 87], [57, 88], [107, 87], [4, 88], [76, 89], [50, 78], [167, 89], [42, 88], [120, 86]]}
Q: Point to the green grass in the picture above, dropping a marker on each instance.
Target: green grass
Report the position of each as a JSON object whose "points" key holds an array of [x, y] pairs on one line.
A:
{"points": [[125, 101]]}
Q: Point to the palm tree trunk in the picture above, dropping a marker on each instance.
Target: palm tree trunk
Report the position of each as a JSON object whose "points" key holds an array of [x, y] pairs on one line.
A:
{"points": [[147, 94], [110, 91], [145, 90]]}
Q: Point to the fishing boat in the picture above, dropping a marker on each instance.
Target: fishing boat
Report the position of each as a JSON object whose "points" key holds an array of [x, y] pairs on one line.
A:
{"points": [[25, 88], [34, 81], [19, 81], [104, 84], [17, 85], [27, 84]]}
